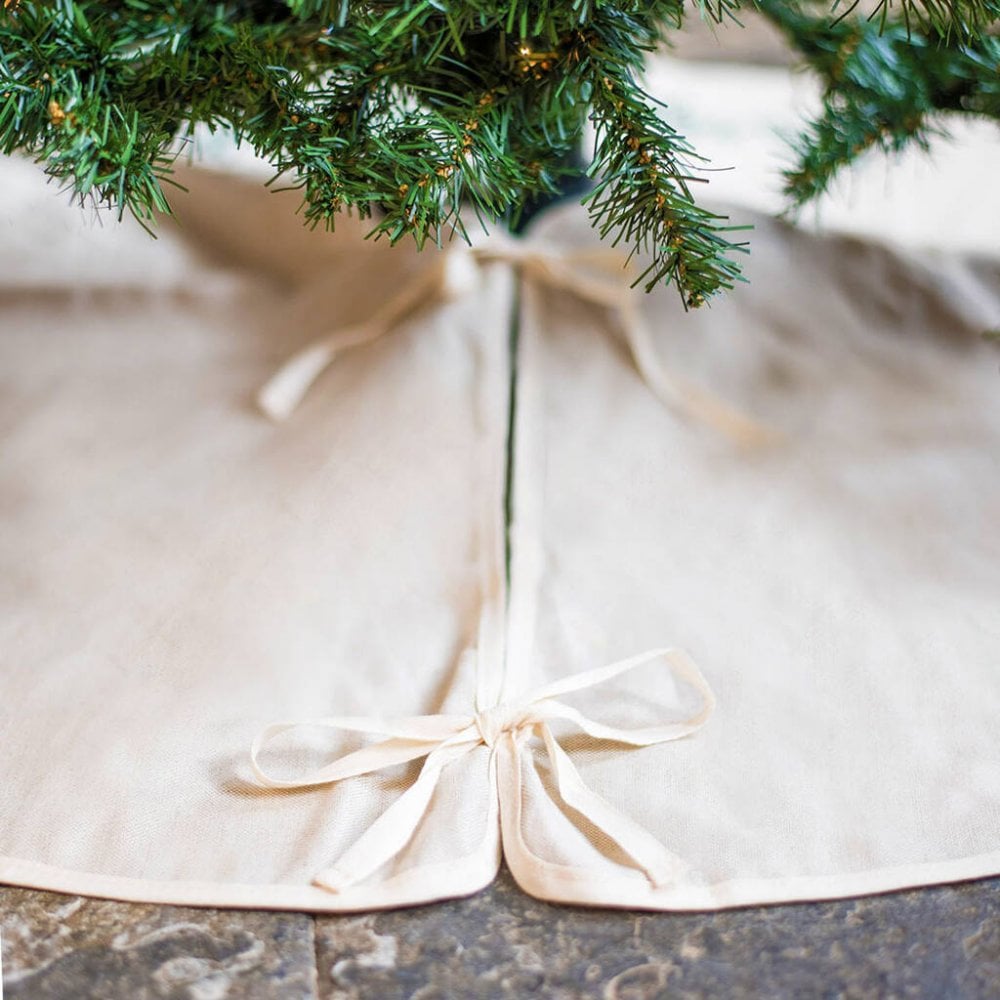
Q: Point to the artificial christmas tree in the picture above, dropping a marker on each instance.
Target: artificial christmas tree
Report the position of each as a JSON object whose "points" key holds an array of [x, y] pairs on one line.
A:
{"points": [[427, 113]]}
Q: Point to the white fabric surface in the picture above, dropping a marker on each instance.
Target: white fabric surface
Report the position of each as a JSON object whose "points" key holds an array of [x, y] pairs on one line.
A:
{"points": [[839, 587], [177, 572]]}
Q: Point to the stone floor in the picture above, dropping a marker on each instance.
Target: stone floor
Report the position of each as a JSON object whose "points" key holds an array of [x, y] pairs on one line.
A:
{"points": [[938, 943]]}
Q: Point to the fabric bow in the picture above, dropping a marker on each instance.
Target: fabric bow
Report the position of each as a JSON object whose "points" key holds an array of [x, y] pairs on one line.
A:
{"points": [[600, 277], [505, 729]]}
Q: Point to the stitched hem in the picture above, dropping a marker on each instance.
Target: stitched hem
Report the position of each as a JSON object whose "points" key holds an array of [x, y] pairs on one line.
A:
{"points": [[452, 880], [576, 886], [426, 884]]}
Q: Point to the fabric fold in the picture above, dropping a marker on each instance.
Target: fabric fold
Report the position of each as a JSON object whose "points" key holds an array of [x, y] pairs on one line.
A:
{"points": [[822, 583], [177, 571], [505, 729]]}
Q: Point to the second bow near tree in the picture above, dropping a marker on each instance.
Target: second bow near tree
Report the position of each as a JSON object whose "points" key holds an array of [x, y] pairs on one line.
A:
{"points": [[600, 277]]}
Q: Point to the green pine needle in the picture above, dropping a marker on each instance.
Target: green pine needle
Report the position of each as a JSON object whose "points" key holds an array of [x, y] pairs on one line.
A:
{"points": [[416, 112]]}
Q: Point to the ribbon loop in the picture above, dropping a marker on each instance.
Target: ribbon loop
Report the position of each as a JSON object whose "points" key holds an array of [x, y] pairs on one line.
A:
{"points": [[600, 277], [444, 739], [410, 739], [287, 387]]}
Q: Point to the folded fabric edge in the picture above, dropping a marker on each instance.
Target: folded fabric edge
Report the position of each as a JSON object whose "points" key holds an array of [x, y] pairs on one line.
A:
{"points": [[470, 875], [579, 887], [416, 886]]}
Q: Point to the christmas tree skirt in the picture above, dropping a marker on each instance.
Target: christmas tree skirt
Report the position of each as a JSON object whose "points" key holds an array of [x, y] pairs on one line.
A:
{"points": [[347, 659]]}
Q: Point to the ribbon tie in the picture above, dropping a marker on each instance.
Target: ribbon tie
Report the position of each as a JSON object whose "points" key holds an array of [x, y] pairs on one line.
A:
{"points": [[505, 729], [600, 277]]}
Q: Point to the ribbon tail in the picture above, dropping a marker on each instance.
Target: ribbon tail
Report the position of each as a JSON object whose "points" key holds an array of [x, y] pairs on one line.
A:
{"points": [[283, 392], [393, 830], [691, 400], [647, 854], [679, 394], [286, 388]]}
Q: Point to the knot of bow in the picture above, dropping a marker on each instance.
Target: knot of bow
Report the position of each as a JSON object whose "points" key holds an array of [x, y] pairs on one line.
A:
{"points": [[506, 730], [600, 277]]}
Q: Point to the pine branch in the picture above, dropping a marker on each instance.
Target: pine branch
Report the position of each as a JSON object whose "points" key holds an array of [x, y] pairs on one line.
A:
{"points": [[411, 111], [885, 87], [940, 19], [645, 170], [417, 112]]}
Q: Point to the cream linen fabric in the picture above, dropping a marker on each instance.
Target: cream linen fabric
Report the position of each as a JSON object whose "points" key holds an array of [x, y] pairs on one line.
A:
{"points": [[179, 572], [176, 570], [840, 587]]}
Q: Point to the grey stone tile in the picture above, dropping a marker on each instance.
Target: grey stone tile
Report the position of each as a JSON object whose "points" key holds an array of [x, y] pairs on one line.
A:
{"points": [[937, 943], [65, 948]]}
